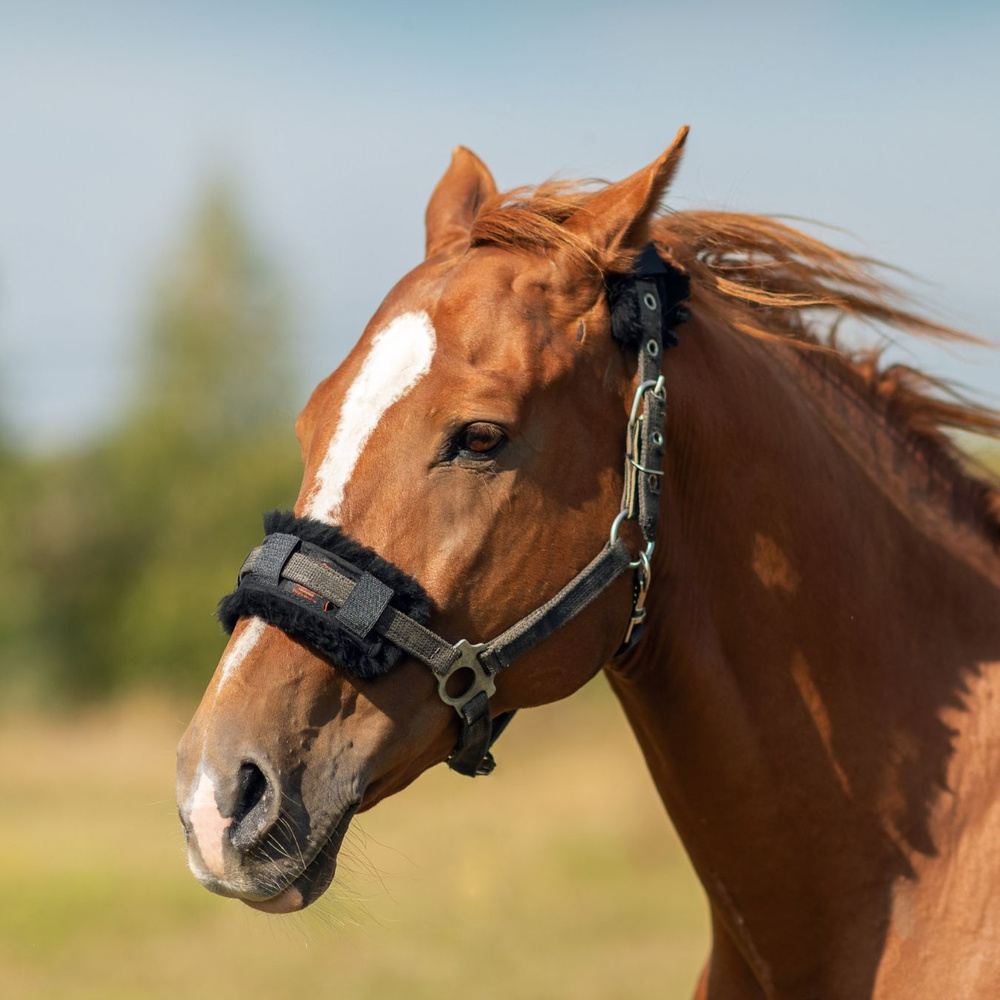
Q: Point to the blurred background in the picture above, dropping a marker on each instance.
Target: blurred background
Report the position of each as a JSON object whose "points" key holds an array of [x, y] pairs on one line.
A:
{"points": [[201, 204]]}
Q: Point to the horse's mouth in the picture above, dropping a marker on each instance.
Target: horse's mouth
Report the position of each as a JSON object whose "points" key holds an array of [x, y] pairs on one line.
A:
{"points": [[313, 880]]}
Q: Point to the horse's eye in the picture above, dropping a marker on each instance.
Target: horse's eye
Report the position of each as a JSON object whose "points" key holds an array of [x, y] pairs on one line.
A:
{"points": [[481, 438]]}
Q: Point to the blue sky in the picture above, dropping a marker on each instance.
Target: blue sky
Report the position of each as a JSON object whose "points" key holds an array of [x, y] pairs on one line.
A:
{"points": [[336, 120]]}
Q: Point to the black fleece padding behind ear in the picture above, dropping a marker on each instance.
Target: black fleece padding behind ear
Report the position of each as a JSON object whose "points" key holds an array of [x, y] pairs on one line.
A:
{"points": [[287, 607], [674, 288]]}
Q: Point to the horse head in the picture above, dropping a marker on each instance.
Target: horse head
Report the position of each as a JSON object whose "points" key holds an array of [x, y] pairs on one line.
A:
{"points": [[470, 448]]}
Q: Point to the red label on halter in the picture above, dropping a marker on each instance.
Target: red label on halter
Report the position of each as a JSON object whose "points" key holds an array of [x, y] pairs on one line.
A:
{"points": [[305, 594]]}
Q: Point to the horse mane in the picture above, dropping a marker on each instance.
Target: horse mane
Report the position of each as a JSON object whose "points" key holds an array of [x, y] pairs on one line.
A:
{"points": [[772, 282]]}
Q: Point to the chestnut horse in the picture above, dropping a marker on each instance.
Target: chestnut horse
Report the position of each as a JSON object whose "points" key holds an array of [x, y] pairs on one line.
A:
{"points": [[815, 693]]}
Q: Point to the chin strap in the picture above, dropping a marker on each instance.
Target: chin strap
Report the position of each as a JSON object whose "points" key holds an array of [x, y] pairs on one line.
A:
{"points": [[286, 569]]}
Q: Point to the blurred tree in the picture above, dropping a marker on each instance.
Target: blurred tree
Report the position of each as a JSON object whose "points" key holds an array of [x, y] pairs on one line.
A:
{"points": [[16, 603], [133, 540], [216, 363]]}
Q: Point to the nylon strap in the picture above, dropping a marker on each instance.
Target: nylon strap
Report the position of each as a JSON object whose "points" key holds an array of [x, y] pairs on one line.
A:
{"points": [[427, 646], [590, 582], [364, 606], [650, 286], [337, 587], [473, 757]]}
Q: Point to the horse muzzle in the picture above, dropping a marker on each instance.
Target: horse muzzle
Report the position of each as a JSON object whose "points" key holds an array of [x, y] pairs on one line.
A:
{"points": [[251, 837]]}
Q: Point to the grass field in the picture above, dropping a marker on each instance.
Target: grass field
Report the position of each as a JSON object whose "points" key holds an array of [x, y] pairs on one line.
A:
{"points": [[558, 877]]}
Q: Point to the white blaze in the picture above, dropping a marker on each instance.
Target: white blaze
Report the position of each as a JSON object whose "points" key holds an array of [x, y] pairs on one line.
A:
{"points": [[240, 647], [208, 825], [399, 357]]}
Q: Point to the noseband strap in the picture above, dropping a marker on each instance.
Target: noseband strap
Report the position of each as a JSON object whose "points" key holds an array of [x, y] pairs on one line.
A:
{"points": [[317, 584]]}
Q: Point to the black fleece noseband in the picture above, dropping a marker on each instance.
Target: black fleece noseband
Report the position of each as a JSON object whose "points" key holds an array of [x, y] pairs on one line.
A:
{"points": [[362, 612], [346, 635]]}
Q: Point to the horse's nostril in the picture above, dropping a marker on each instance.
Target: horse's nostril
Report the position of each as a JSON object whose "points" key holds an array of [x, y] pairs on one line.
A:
{"points": [[252, 786], [252, 811]]}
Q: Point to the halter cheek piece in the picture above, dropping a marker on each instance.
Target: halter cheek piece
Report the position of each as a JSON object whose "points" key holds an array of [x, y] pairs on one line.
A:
{"points": [[362, 612]]}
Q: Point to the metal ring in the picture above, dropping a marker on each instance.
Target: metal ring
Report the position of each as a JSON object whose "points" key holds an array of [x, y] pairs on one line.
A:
{"points": [[616, 524], [644, 556], [657, 438], [640, 389], [644, 560], [649, 300], [652, 348]]}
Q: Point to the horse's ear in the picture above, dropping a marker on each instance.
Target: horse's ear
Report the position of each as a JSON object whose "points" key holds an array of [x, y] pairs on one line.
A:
{"points": [[617, 217], [466, 184]]}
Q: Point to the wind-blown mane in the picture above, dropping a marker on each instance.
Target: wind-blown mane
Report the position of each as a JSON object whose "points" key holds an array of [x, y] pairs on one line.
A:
{"points": [[767, 280]]}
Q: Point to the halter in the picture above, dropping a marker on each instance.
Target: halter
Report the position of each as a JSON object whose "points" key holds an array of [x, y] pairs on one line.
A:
{"points": [[316, 584]]}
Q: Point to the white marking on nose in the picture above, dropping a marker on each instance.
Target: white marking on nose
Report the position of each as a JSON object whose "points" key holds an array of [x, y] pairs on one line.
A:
{"points": [[240, 648], [399, 356], [208, 825]]}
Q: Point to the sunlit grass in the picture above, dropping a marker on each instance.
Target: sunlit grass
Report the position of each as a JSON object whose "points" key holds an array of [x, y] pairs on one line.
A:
{"points": [[557, 877]]}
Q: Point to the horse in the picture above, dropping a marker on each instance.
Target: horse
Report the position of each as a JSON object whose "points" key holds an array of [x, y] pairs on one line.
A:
{"points": [[814, 689]]}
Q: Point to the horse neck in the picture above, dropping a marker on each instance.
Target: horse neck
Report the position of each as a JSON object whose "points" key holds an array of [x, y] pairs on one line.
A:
{"points": [[818, 629]]}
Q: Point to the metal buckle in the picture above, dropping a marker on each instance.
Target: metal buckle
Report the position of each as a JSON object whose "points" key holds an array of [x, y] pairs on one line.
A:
{"points": [[630, 507], [644, 573], [468, 659], [633, 468], [633, 439]]}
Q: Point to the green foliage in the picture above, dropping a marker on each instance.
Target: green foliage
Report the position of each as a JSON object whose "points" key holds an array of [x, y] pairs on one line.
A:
{"points": [[119, 551]]}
